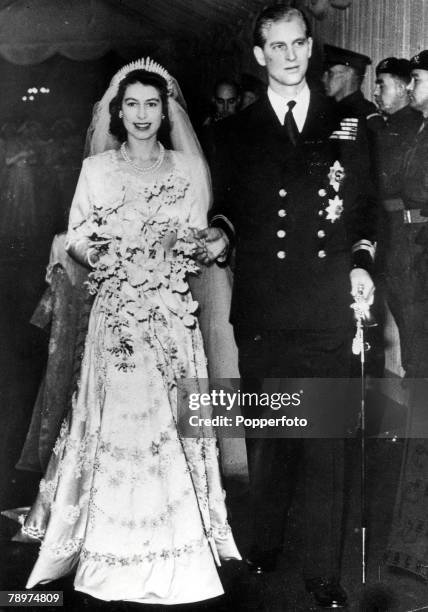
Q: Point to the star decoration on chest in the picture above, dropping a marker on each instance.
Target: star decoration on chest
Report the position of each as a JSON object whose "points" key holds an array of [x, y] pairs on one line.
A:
{"points": [[336, 175], [334, 209]]}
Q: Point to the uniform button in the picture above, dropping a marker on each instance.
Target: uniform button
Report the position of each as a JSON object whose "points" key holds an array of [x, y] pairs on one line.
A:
{"points": [[281, 254], [320, 213], [282, 193], [322, 254], [322, 192], [282, 212], [321, 234], [280, 233]]}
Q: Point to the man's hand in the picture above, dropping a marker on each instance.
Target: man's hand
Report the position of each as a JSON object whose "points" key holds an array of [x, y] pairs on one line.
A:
{"points": [[362, 285], [211, 244]]}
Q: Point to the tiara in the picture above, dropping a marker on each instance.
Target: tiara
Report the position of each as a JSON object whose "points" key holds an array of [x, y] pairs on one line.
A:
{"points": [[145, 63]]}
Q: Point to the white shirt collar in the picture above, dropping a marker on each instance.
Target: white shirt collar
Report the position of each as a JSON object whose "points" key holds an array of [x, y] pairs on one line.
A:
{"points": [[300, 111]]}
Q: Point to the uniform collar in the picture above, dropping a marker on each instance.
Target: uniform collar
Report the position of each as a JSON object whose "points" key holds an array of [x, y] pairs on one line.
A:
{"points": [[356, 96], [403, 112], [300, 111]]}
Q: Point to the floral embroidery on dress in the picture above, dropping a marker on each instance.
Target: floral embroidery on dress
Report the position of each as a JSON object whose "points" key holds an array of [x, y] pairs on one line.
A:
{"points": [[70, 513], [34, 532], [115, 560], [61, 440], [47, 490], [139, 522], [134, 454], [221, 531], [71, 546], [83, 449]]}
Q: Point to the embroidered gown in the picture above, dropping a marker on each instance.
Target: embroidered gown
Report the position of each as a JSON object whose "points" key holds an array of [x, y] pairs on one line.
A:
{"points": [[138, 510]]}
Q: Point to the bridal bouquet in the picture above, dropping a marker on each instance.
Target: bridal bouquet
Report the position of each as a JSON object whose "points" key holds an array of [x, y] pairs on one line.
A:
{"points": [[143, 263]]}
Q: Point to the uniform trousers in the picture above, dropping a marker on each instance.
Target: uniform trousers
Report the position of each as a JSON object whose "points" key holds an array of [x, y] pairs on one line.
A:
{"points": [[276, 464], [405, 249]]}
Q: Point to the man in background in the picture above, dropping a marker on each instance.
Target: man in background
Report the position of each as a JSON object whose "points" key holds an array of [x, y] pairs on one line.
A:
{"points": [[342, 79], [408, 246], [392, 141], [225, 101], [408, 542]]}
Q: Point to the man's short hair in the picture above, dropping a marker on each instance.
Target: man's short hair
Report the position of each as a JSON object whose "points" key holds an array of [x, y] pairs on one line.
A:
{"points": [[279, 11], [229, 83]]}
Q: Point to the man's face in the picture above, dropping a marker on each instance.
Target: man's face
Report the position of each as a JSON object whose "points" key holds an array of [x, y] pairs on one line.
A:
{"points": [[418, 90], [226, 101], [248, 97], [334, 80], [286, 53], [388, 93]]}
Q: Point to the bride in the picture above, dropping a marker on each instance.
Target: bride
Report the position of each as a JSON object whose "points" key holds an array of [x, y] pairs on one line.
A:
{"points": [[137, 510]]}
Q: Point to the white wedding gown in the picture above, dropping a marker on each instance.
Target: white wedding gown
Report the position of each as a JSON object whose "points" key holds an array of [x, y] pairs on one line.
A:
{"points": [[138, 511]]}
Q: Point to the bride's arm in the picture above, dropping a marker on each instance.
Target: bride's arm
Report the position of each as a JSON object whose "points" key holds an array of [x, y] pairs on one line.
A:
{"points": [[201, 193], [78, 243]]}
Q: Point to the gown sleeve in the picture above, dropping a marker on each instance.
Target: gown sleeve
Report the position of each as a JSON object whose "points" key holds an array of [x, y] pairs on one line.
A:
{"points": [[200, 192], [79, 226]]}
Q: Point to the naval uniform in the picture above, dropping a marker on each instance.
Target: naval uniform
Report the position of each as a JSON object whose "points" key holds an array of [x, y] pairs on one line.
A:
{"points": [[301, 217]]}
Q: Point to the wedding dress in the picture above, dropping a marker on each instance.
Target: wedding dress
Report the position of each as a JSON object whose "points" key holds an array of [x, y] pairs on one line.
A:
{"points": [[135, 508]]}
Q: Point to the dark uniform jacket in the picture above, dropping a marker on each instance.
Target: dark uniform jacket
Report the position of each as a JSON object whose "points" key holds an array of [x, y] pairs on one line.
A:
{"points": [[294, 233], [414, 189], [392, 142], [356, 105]]}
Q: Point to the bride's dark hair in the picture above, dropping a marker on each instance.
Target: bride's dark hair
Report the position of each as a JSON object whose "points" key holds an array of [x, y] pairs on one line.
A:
{"points": [[144, 77]]}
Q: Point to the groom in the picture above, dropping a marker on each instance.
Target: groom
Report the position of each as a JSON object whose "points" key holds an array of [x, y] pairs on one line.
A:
{"points": [[290, 194]]}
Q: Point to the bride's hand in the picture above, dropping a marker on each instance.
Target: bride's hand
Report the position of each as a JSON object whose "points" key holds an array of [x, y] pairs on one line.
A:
{"points": [[211, 244], [95, 249]]}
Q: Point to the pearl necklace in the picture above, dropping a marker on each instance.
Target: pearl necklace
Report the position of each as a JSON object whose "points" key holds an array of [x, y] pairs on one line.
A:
{"points": [[151, 168]]}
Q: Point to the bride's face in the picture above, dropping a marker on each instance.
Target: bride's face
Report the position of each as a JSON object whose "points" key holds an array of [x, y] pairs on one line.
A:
{"points": [[142, 111]]}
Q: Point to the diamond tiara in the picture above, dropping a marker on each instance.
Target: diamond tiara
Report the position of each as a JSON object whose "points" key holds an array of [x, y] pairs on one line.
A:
{"points": [[145, 63]]}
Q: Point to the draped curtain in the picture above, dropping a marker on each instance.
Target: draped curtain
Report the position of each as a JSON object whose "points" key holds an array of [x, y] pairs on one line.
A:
{"points": [[31, 31]]}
